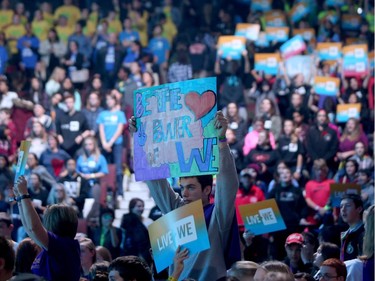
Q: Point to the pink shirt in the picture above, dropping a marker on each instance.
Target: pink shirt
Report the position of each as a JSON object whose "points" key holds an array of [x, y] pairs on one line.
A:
{"points": [[251, 140]]}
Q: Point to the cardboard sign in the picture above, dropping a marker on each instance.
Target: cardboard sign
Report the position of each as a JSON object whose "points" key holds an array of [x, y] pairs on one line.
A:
{"points": [[308, 34], [298, 12], [355, 62], [261, 5], [185, 227], [176, 135], [278, 34], [247, 30], [299, 64], [329, 51], [262, 41], [293, 47], [231, 46], [22, 159], [346, 111], [262, 217], [338, 190], [268, 63], [351, 22], [275, 18], [326, 86]]}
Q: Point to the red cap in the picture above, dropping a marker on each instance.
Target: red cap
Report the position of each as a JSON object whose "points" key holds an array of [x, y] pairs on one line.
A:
{"points": [[295, 238]]}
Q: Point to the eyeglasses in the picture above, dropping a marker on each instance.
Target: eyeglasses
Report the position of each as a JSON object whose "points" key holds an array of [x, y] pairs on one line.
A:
{"points": [[326, 276]]}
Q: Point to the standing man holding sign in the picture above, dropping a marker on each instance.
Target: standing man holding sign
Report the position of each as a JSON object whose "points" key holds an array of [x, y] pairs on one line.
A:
{"points": [[209, 264]]}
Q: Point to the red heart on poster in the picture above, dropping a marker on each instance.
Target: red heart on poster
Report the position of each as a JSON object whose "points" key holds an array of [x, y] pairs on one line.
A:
{"points": [[202, 104]]}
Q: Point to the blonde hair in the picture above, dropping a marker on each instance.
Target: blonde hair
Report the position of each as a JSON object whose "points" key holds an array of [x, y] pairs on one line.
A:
{"points": [[88, 244], [355, 134], [96, 153]]}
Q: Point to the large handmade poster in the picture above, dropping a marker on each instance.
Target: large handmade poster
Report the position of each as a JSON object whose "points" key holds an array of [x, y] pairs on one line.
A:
{"points": [[176, 135], [183, 227]]}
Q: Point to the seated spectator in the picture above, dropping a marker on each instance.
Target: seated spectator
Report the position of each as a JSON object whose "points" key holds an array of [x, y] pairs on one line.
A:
{"points": [[301, 128], [7, 257], [38, 192], [33, 167], [58, 195], [291, 149], [53, 158], [88, 256], [251, 139], [333, 268], [103, 254], [268, 111], [324, 252], [351, 135], [363, 159], [349, 173], [264, 155], [293, 247], [76, 187], [6, 228], [38, 139], [8, 146], [59, 259], [317, 192], [296, 104], [276, 177], [99, 271], [26, 253], [42, 118], [351, 210], [366, 182], [106, 234], [129, 268]]}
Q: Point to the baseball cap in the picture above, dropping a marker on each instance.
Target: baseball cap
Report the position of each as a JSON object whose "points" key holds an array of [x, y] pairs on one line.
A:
{"points": [[295, 238]]}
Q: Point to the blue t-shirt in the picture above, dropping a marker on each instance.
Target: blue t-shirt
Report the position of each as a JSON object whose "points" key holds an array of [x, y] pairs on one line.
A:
{"points": [[129, 36], [110, 121], [29, 55], [110, 58], [91, 165], [60, 262], [158, 47], [3, 59]]}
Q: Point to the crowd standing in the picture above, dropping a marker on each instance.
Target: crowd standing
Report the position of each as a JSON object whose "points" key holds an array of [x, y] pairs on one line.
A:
{"points": [[68, 71]]}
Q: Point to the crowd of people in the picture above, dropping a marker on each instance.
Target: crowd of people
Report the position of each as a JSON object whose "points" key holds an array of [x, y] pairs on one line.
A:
{"points": [[68, 72]]}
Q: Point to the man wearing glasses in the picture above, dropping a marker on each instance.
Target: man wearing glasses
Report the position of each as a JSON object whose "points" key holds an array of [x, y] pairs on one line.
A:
{"points": [[332, 269]]}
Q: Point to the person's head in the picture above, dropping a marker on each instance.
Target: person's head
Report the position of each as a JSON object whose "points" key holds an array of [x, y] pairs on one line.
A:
{"points": [[299, 79], [96, 82], [103, 254], [322, 118], [232, 109], [5, 114], [123, 73], [333, 269], [288, 127], [298, 117], [353, 83], [53, 141], [368, 239], [303, 276], [4, 161], [71, 165], [61, 220], [157, 30], [326, 251], [38, 130], [351, 167], [243, 270], [39, 110], [231, 136], [4, 84], [360, 149], [99, 270], [93, 100], [127, 23], [6, 225], [353, 98], [263, 138], [285, 176], [310, 242], [136, 206], [7, 258], [293, 247], [27, 251], [35, 181], [111, 100], [32, 160], [59, 192], [270, 266], [107, 216], [267, 106], [129, 268], [73, 46], [248, 176], [320, 169], [363, 176], [258, 124], [278, 276], [351, 209], [296, 100], [88, 252], [112, 38], [69, 101], [90, 145], [196, 188], [148, 78], [352, 127]]}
